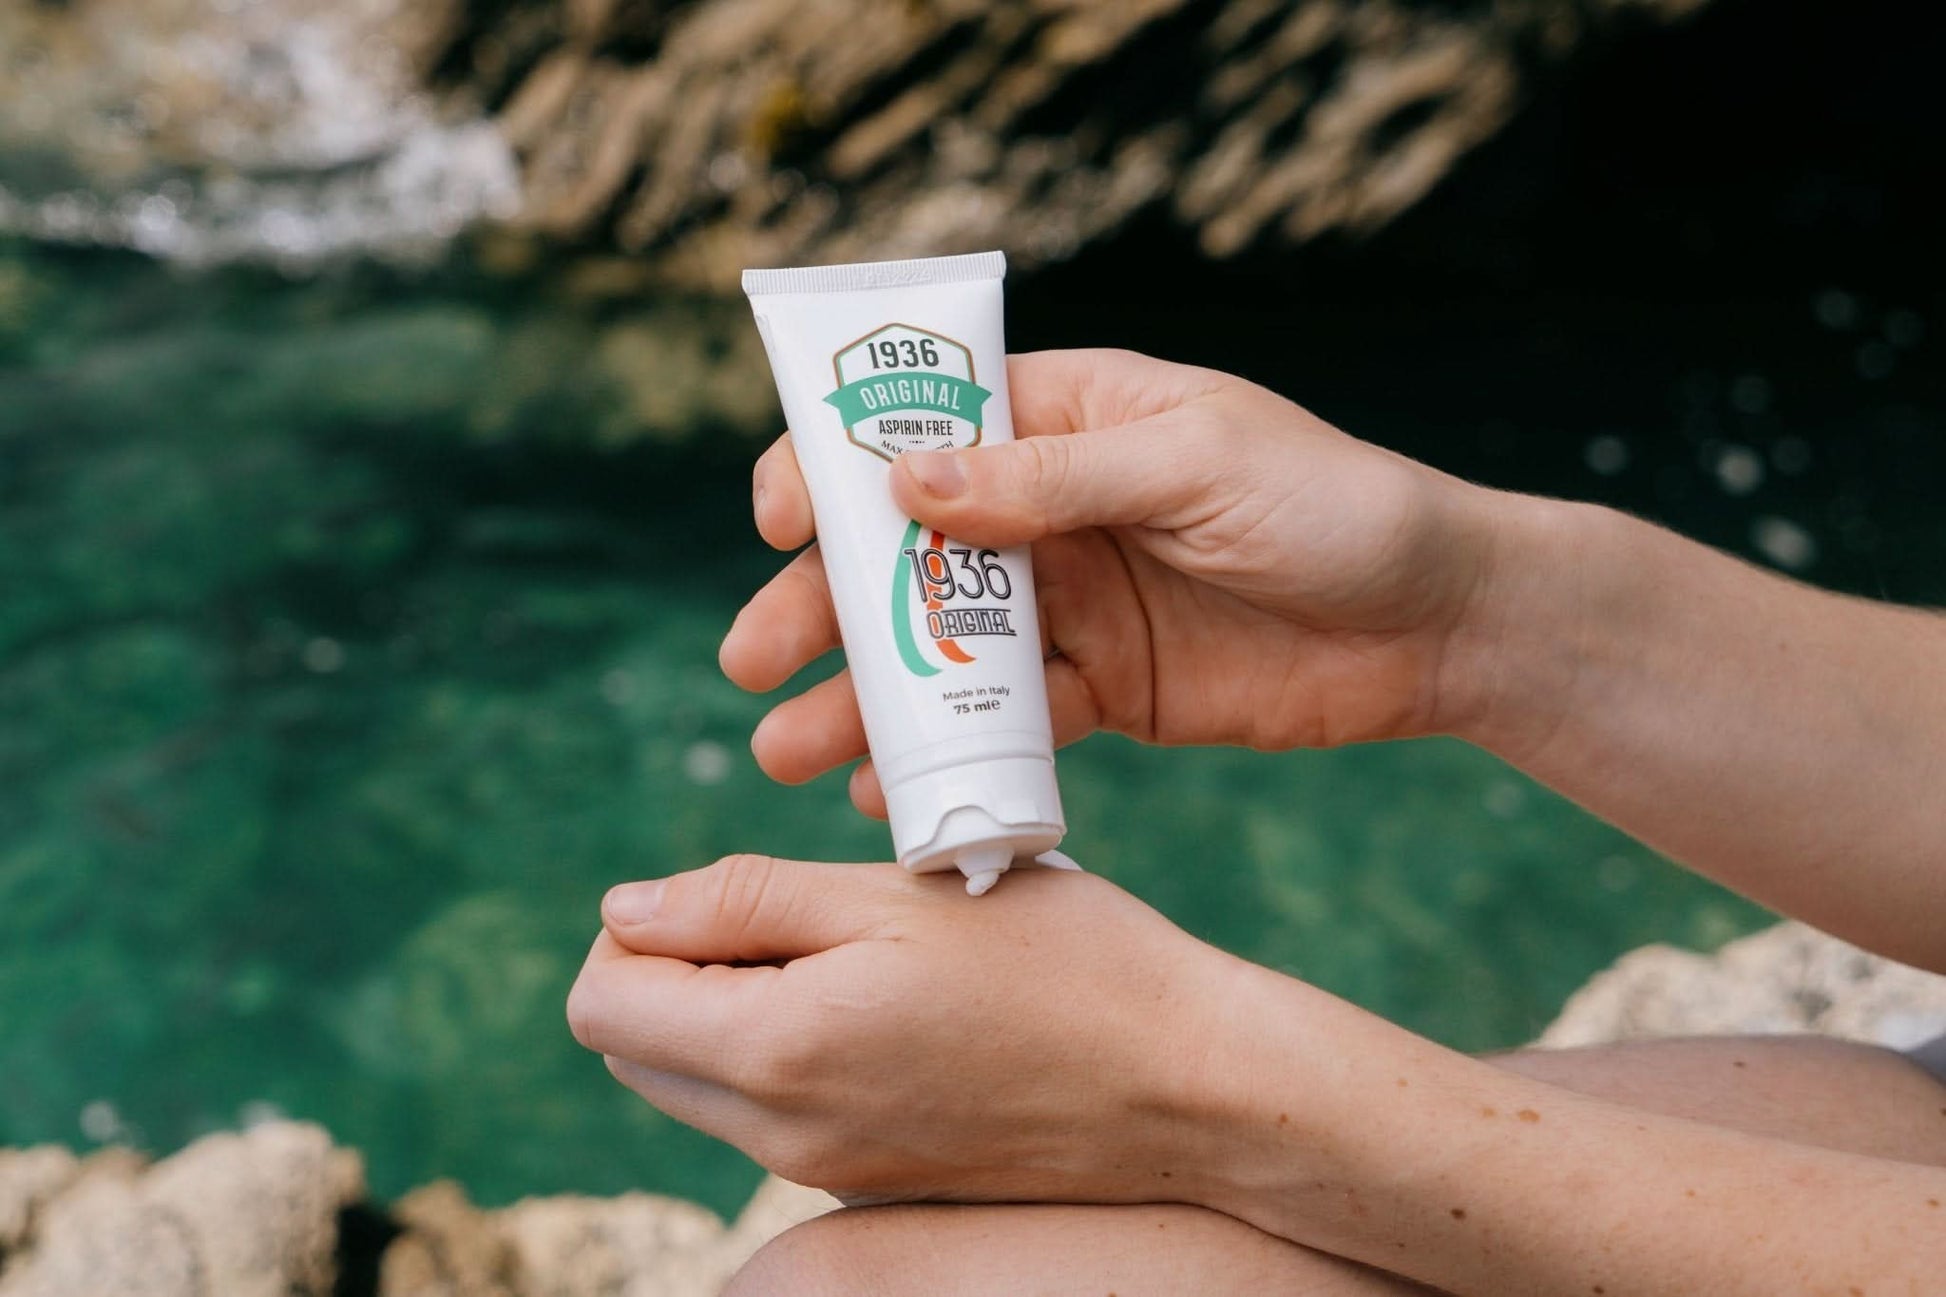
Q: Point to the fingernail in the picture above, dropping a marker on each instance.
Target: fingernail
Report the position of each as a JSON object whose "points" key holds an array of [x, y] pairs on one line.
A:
{"points": [[633, 903], [938, 472]]}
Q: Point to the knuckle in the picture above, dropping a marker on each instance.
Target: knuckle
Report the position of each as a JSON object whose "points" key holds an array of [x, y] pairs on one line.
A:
{"points": [[1041, 461], [782, 1064], [1044, 469], [703, 891], [761, 475], [806, 574], [582, 1009], [742, 881], [743, 894], [781, 1058]]}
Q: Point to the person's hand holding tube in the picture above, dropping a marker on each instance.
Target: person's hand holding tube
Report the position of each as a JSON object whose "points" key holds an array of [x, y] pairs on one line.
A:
{"points": [[1215, 565]]}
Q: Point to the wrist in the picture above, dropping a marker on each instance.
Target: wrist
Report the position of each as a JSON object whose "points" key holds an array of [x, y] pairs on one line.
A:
{"points": [[1281, 1078], [1337, 1130], [1513, 662]]}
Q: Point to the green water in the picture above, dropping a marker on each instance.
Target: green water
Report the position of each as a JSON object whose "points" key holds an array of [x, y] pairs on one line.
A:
{"points": [[355, 635]]}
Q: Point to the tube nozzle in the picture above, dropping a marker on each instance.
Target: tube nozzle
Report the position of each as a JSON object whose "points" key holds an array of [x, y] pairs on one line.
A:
{"points": [[983, 867]]}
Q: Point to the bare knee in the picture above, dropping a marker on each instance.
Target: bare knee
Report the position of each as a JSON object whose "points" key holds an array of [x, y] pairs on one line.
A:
{"points": [[974, 1251], [841, 1254]]}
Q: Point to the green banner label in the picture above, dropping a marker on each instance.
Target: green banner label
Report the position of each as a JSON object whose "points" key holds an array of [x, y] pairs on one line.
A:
{"points": [[939, 393], [901, 387]]}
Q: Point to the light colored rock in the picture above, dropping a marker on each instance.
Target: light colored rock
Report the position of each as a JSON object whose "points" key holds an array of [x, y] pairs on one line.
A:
{"points": [[276, 130], [1789, 978], [29, 1178], [256, 1214], [447, 1247], [245, 1215], [707, 136], [634, 1245]]}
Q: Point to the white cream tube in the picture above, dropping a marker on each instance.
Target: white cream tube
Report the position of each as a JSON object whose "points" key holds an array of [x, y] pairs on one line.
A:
{"points": [[943, 639]]}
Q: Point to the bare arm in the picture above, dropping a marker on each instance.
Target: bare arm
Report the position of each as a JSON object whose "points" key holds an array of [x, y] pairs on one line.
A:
{"points": [[1786, 741], [1476, 1180], [1218, 566], [891, 1038]]}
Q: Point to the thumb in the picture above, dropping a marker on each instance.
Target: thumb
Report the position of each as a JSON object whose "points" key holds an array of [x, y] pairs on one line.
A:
{"points": [[1142, 473], [748, 909]]}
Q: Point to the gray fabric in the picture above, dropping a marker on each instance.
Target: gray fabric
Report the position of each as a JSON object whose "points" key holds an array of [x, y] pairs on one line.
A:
{"points": [[1932, 1057]]}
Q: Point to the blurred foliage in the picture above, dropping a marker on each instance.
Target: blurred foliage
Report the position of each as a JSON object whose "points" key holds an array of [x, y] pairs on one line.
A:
{"points": [[340, 674]]}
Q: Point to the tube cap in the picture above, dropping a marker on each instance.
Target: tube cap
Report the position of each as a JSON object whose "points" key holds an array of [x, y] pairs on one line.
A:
{"points": [[976, 817]]}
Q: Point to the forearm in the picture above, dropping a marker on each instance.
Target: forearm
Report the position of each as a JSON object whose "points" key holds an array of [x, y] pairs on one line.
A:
{"points": [[1476, 1180], [1787, 741]]}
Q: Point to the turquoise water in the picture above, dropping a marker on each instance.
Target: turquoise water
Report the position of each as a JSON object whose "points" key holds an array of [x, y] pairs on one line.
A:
{"points": [[355, 635]]}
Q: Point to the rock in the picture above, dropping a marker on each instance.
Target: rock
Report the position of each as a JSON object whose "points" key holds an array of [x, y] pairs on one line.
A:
{"points": [[29, 1178], [245, 1215], [712, 136], [262, 1212], [1789, 978], [446, 1247], [272, 1213], [276, 130], [635, 1245], [707, 136]]}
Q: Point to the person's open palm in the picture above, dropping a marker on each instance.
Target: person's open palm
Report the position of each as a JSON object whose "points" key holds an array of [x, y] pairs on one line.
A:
{"points": [[1214, 565]]}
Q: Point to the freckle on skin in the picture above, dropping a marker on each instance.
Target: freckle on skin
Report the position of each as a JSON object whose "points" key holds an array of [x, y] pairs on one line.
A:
{"points": [[1489, 1112], [1459, 1213], [1932, 1202], [1738, 1063], [1402, 1083], [1528, 1114], [1283, 1119], [1689, 1193]]}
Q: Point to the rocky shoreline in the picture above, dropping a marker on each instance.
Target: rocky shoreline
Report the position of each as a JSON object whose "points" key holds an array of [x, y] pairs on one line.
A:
{"points": [[702, 137], [280, 1211]]}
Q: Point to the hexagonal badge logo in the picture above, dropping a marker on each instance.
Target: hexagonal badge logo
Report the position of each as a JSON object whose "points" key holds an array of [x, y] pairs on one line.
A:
{"points": [[904, 388]]}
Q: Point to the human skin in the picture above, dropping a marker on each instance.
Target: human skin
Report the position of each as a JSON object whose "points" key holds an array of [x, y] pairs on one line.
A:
{"points": [[892, 1039], [1804, 1089], [1215, 565]]}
